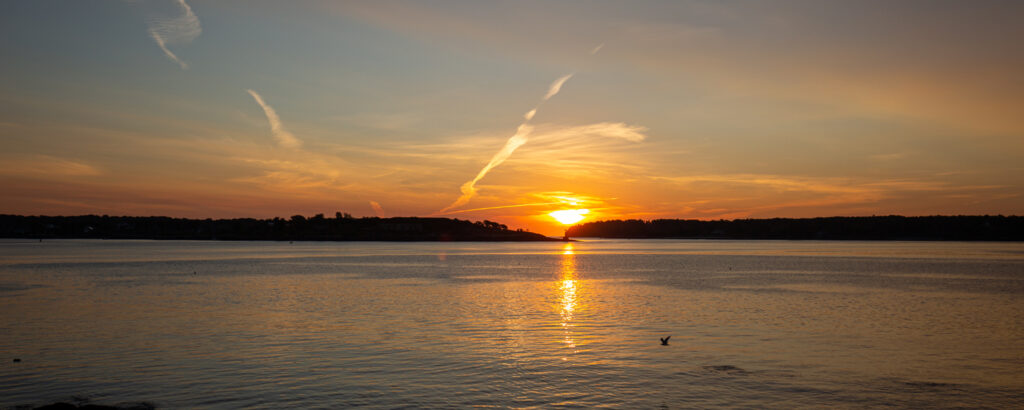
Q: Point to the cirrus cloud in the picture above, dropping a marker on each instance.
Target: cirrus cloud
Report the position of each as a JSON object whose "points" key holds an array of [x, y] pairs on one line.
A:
{"points": [[177, 30]]}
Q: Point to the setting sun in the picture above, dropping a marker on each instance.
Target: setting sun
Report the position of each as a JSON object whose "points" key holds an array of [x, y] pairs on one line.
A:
{"points": [[569, 216], [508, 203]]}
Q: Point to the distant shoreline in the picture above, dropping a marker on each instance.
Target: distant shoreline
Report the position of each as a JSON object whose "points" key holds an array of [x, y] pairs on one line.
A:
{"points": [[342, 227], [345, 228], [997, 228]]}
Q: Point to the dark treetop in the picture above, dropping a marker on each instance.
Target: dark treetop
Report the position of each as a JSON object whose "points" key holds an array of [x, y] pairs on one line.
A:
{"points": [[342, 227], [938, 228]]}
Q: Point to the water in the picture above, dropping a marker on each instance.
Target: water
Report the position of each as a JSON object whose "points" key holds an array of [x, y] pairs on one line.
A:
{"points": [[324, 325]]}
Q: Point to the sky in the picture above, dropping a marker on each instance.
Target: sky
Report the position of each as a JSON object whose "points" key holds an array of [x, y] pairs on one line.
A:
{"points": [[508, 111]]}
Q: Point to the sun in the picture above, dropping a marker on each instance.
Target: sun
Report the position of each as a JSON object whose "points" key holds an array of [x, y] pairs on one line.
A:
{"points": [[569, 216]]}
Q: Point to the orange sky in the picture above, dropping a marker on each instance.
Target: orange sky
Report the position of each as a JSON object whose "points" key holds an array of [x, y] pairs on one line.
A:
{"points": [[642, 110]]}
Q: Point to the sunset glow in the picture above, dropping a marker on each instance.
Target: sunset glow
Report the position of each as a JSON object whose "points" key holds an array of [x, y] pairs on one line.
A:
{"points": [[569, 216], [511, 203], [200, 109]]}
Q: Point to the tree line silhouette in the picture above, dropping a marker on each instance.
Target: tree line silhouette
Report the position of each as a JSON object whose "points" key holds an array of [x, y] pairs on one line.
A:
{"points": [[893, 227], [343, 227]]}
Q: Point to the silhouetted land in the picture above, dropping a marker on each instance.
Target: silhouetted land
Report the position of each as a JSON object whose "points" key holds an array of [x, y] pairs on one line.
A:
{"points": [[342, 227], [925, 228]]}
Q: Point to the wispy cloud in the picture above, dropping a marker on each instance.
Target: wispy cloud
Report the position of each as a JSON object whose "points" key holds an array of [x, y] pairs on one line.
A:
{"points": [[515, 141], [377, 209], [163, 46], [177, 30], [596, 49], [469, 188], [500, 207], [46, 166], [283, 137], [560, 198], [631, 133], [583, 152], [727, 196], [556, 87]]}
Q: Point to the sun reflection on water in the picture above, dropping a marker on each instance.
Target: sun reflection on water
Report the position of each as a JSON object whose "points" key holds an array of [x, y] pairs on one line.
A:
{"points": [[567, 294]]}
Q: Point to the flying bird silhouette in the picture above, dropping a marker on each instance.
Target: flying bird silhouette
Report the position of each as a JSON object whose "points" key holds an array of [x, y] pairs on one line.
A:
{"points": [[664, 340]]}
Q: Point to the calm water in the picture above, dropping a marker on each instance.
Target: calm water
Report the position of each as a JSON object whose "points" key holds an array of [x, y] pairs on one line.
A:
{"points": [[325, 325]]}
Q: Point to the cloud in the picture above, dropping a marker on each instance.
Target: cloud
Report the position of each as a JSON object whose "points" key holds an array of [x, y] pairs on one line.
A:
{"points": [[469, 188], [583, 151], [579, 147], [377, 209], [46, 166], [163, 46], [555, 87], [596, 49], [521, 136], [304, 171], [631, 133], [502, 207], [283, 137], [769, 195], [956, 80], [178, 30]]}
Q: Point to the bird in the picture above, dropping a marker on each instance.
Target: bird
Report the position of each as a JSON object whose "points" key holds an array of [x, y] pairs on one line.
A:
{"points": [[17, 360], [664, 340]]}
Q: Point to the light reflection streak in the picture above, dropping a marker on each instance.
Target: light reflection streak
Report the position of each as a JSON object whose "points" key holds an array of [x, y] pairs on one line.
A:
{"points": [[567, 292]]}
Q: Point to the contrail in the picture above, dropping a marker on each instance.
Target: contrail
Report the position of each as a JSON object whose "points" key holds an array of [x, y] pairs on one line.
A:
{"points": [[555, 87], [500, 207], [521, 136], [283, 137], [181, 29], [163, 46]]}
